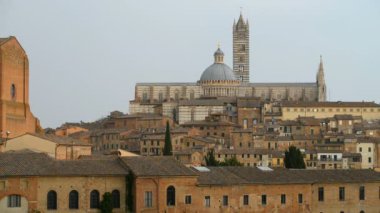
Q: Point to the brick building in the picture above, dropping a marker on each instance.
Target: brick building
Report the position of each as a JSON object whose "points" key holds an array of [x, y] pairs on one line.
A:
{"points": [[162, 184], [16, 116]]}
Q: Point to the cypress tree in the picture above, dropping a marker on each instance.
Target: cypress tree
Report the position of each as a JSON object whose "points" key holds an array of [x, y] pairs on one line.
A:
{"points": [[294, 159], [168, 141], [210, 159], [106, 203]]}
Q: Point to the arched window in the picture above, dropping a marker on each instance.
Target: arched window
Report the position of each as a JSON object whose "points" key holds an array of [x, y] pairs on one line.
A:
{"points": [[116, 198], [73, 200], [52, 200], [13, 91], [94, 199], [170, 196]]}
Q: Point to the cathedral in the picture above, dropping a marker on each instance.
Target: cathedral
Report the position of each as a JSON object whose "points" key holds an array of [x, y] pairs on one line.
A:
{"points": [[220, 81]]}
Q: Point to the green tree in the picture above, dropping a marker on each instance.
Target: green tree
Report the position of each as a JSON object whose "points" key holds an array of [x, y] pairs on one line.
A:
{"points": [[231, 162], [210, 159], [168, 141], [294, 159], [106, 203]]}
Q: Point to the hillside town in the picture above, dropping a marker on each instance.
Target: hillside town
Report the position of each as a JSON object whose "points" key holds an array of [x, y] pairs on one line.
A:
{"points": [[246, 128]]}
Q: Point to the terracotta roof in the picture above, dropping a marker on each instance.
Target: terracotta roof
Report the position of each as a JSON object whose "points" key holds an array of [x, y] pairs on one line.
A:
{"points": [[249, 151], [252, 175], [28, 163], [204, 139], [344, 117], [248, 103], [328, 104], [157, 166], [208, 123], [202, 102], [290, 84], [56, 139], [368, 140]]}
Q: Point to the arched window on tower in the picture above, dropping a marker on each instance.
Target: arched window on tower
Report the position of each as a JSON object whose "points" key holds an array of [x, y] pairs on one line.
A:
{"points": [[94, 199], [52, 200], [241, 68], [13, 91], [73, 200], [170, 196]]}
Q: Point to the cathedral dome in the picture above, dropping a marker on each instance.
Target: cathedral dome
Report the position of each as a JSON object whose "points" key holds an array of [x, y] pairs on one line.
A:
{"points": [[218, 71]]}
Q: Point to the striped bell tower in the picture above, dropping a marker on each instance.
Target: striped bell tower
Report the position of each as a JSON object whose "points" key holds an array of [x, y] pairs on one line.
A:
{"points": [[241, 50]]}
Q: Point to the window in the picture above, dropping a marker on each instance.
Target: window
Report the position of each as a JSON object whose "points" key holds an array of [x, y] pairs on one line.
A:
{"points": [[225, 200], [207, 201], [360, 149], [148, 200], [283, 199], [300, 198], [321, 194], [361, 193], [52, 200], [369, 149], [73, 200], [341, 194], [188, 199], [14, 201], [245, 123], [369, 160], [116, 199], [263, 199], [170, 196], [13, 91], [191, 95], [145, 96], [246, 200], [242, 47], [94, 199], [241, 68]]}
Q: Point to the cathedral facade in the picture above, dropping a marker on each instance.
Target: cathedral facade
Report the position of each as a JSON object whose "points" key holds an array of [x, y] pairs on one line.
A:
{"points": [[219, 80]]}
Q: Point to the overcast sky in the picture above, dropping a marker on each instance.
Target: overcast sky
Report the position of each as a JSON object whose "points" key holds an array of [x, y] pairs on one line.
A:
{"points": [[86, 55]]}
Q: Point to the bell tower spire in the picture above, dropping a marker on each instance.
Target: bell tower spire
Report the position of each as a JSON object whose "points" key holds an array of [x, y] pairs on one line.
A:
{"points": [[241, 49], [321, 84]]}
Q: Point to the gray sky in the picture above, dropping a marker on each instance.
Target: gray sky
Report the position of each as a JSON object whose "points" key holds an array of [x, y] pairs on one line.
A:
{"points": [[86, 55]]}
